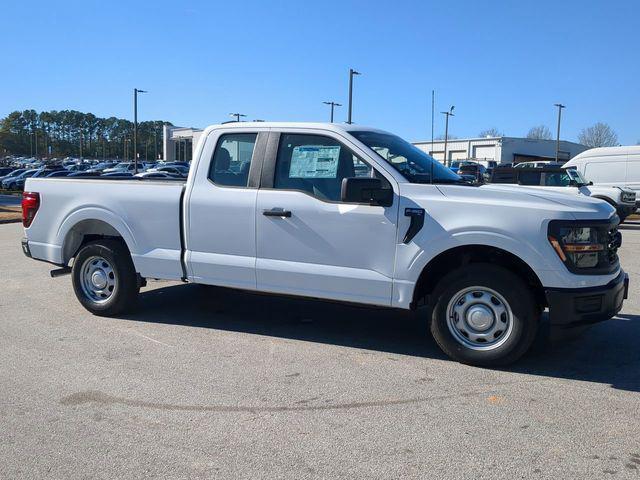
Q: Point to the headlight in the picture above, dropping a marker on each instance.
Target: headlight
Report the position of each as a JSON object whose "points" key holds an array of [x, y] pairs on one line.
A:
{"points": [[628, 197], [585, 248]]}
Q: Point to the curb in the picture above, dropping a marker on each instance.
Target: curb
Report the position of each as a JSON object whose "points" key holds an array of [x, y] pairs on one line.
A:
{"points": [[11, 220]]}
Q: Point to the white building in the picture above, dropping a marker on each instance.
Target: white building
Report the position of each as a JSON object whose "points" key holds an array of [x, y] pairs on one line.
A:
{"points": [[500, 149], [179, 143]]}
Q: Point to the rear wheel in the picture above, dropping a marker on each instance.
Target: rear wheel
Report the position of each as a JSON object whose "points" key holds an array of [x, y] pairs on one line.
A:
{"points": [[484, 315], [104, 278]]}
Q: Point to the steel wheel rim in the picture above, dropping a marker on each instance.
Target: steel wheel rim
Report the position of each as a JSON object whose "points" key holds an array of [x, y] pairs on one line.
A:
{"points": [[98, 279], [479, 318]]}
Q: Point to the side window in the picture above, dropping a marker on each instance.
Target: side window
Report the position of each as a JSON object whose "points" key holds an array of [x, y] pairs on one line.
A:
{"points": [[232, 159], [317, 165], [556, 179], [529, 178]]}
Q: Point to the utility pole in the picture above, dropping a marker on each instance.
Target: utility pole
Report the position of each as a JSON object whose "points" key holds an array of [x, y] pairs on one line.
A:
{"points": [[352, 72], [433, 103], [237, 116], [333, 105], [560, 107], [446, 131], [155, 142], [136, 91]]}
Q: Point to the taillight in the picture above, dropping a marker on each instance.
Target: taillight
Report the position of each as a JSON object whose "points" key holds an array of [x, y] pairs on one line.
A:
{"points": [[30, 205]]}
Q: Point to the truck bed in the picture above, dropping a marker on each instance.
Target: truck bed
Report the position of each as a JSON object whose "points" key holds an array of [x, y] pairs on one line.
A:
{"points": [[145, 212]]}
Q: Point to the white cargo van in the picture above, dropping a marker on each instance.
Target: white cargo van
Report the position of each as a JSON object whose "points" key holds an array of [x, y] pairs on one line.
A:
{"points": [[612, 166]]}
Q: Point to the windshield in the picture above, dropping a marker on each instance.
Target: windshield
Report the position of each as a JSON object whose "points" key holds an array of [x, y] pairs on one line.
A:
{"points": [[414, 164], [577, 177]]}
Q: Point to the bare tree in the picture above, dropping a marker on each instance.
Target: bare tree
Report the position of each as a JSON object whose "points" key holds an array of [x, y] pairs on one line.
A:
{"points": [[540, 132], [599, 135], [490, 132]]}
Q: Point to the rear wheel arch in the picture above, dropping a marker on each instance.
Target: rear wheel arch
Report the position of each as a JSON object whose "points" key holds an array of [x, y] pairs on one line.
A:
{"points": [[457, 257], [86, 231]]}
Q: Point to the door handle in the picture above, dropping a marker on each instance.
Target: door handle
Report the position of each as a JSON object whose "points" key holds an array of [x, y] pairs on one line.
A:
{"points": [[277, 212]]}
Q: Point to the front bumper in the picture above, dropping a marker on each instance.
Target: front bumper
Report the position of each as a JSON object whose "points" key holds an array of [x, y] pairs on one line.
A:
{"points": [[572, 307]]}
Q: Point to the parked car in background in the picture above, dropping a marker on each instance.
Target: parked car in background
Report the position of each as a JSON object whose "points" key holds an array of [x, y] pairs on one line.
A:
{"points": [[77, 167], [122, 167], [17, 182], [83, 173], [118, 173], [611, 166], [473, 172], [14, 173], [100, 167], [568, 180], [158, 175], [59, 173], [538, 164], [299, 219], [173, 164], [5, 171], [178, 170]]}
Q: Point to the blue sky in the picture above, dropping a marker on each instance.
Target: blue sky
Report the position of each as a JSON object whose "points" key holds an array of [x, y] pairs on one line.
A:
{"points": [[502, 64]]}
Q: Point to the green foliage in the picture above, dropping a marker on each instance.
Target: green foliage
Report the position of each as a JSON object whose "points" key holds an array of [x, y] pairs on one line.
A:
{"points": [[77, 134]]}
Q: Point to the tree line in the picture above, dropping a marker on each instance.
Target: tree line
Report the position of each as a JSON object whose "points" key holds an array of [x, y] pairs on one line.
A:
{"points": [[598, 135], [71, 133]]}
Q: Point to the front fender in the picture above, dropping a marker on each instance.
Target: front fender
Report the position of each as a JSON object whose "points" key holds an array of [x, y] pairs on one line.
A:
{"points": [[413, 258]]}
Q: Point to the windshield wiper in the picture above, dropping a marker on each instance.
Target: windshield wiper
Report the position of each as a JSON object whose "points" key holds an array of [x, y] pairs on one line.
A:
{"points": [[452, 181]]}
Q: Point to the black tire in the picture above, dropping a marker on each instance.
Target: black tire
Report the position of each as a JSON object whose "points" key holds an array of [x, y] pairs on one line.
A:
{"points": [[125, 292], [515, 292]]}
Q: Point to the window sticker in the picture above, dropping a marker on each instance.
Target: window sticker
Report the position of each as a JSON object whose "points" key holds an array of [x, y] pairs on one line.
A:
{"points": [[314, 161]]}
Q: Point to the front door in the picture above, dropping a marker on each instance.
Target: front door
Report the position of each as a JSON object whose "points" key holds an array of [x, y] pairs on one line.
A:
{"points": [[309, 242]]}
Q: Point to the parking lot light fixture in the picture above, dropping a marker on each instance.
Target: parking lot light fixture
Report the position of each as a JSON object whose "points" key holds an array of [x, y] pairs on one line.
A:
{"points": [[446, 130], [237, 116], [560, 107], [333, 105], [352, 72], [136, 91]]}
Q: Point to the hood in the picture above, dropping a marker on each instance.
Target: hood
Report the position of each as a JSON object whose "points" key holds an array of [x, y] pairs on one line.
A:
{"points": [[559, 205]]}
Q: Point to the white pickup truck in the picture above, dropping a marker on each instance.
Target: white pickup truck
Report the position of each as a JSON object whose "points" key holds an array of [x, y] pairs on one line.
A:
{"points": [[339, 212], [570, 181]]}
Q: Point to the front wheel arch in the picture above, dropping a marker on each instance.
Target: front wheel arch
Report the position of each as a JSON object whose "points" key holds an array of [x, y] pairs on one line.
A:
{"points": [[456, 257]]}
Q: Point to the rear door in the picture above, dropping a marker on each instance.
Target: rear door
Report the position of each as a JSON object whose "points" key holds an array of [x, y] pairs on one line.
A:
{"points": [[309, 242], [220, 218]]}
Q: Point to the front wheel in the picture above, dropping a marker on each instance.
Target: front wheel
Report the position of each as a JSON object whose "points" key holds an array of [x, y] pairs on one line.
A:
{"points": [[484, 315], [104, 278]]}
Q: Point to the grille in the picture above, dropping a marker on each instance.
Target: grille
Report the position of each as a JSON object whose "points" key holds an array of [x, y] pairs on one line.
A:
{"points": [[614, 241]]}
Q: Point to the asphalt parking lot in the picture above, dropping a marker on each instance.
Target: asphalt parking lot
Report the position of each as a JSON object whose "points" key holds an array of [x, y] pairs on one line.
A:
{"points": [[209, 383]]}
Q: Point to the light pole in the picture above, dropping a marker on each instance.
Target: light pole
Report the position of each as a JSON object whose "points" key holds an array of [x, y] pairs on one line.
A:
{"points": [[446, 130], [560, 107], [352, 72], [136, 91], [237, 115], [333, 105]]}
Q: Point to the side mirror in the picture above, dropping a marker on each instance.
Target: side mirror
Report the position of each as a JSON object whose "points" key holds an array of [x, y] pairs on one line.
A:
{"points": [[366, 190]]}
